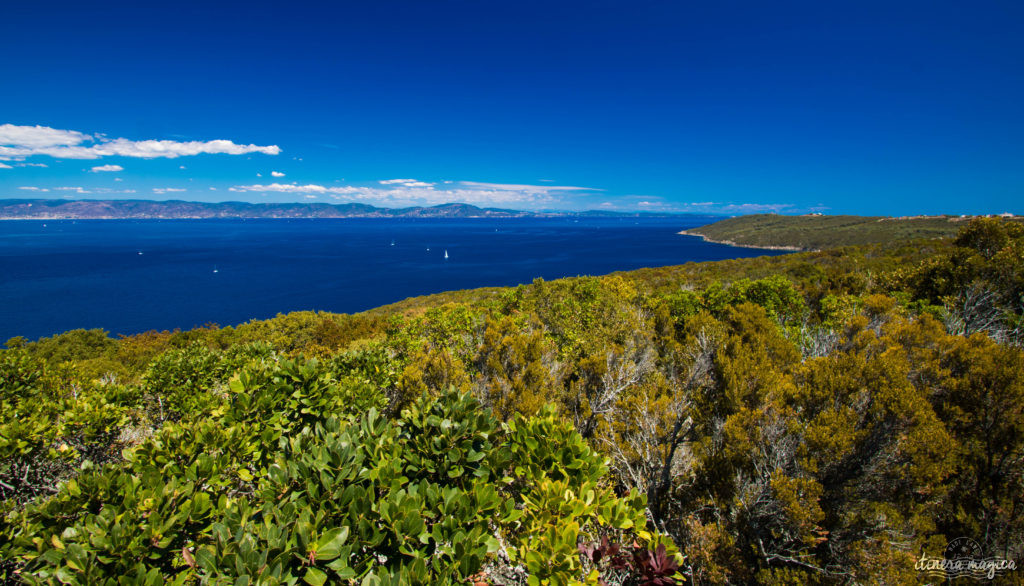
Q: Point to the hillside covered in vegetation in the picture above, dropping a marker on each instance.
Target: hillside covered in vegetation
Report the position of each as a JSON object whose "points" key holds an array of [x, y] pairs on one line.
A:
{"points": [[820, 232], [821, 418]]}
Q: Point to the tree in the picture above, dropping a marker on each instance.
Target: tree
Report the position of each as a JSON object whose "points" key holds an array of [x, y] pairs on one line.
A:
{"points": [[982, 402], [518, 368]]}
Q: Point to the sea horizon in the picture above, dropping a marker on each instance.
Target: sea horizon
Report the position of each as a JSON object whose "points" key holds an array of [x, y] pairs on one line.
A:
{"points": [[131, 276]]}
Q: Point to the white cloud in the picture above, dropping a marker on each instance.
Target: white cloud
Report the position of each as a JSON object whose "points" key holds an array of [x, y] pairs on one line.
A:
{"points": [[108, 190], [524, 188], [181, 166], [24, 141], [103, 168], [755, 208], [655, 204], [408, 192], [276, 174], [40, 136], [717, 207], [77, 190], [3, 166], [294, 188], [406, 183], [151, 149], [167, 190], [311, 196]]}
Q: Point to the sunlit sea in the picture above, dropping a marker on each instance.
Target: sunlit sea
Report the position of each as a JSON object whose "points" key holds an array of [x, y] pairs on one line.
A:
{"points": [[129, 276]]}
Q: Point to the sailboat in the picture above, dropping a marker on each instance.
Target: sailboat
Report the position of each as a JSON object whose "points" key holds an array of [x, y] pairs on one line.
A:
{"points": [[446, 253], [215, 269]]}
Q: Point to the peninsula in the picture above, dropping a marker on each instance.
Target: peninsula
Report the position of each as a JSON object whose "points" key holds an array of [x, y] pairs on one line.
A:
{"points": [[819, 232]]}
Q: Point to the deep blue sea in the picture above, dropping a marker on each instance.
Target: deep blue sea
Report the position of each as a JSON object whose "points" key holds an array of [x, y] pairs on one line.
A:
{"points": [[135, 275]]}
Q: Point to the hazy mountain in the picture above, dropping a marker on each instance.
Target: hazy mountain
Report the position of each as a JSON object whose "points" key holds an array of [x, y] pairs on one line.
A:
{"points": [[53, 209]]}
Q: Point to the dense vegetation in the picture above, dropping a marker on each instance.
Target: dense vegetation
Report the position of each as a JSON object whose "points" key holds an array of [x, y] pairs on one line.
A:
{"points": [[810, 418], [818, 232]]}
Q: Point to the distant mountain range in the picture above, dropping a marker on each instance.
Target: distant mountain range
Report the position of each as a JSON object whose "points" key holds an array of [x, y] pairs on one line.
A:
{"points": [[57, 209]]}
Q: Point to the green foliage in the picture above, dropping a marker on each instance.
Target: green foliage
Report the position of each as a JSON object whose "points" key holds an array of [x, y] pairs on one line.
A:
{"points": [[191, 380], [988, 236], [813, 232], [684, 304], [809, 418], [982, 402], [305, 331], [366, 377], [516, 366], [451, 327], [52, 422], [429, 369], [20, 373], [558, 477], [581, 314], [809, 466], [424, 499], [21, 397], [776, 294], [980, 281], [73, 345]]}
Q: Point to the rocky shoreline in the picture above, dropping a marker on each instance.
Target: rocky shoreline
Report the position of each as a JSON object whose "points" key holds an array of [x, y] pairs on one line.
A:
{"points": [[738, 245]]}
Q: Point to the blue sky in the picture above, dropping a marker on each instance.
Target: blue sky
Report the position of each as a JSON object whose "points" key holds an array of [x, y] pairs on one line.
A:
{"points": [[730, 107]]}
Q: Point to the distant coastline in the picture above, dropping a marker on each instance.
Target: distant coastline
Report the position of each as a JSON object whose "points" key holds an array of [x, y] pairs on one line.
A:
{"points": [[54, 209]]}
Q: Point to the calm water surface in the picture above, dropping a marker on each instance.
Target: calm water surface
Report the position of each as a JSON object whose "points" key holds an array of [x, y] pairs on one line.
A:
{"points": [[135, 275]]}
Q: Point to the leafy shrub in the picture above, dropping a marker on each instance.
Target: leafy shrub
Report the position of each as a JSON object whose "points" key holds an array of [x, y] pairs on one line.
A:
{"points": [[190, 381], [430, 498]]}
